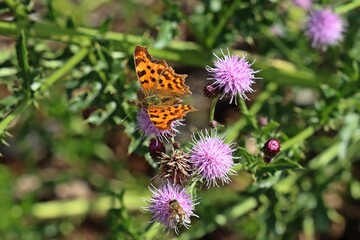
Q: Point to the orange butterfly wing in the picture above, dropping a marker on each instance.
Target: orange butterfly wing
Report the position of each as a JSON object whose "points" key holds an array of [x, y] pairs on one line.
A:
{"points": [[172, 83], [156, 77], [148, 70], [162, 88], [162, 117]]}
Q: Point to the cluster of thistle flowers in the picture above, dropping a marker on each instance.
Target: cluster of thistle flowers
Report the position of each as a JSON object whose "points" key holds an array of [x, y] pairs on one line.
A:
{"points": [[324, 27], [210, 159]]}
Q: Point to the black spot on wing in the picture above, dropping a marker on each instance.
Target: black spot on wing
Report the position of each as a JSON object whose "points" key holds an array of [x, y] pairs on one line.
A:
{"points": [[141, 73]]}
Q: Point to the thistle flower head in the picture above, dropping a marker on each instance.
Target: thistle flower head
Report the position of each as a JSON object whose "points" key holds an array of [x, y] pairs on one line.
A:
{"points": [[270, 149], [147, 127], [171, 206], [324, 28], [212, 158], [232, 75], [304, 4], [176, 168]]}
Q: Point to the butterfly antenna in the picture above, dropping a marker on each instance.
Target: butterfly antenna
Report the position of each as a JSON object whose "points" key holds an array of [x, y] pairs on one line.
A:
{"points": [[122, 120], [130, 100]]}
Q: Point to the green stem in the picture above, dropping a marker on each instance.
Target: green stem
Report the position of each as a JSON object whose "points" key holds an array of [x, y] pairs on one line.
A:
{"points": [[222, 23], [240, 209], [79, 207], [16, 112], [246, 113], [212, 109], [347, 7], [298, 139], [188, 53], [151, 231], [279, 44], [58, 74], [51, 80], [325, 157], [192, 189], [18, 9], [232, 132]]}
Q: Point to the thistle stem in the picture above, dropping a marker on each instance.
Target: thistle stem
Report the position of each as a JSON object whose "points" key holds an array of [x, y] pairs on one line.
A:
{"points": [[343, 8], [50, 81], [232, 132], [188, 53], [212, 108]]}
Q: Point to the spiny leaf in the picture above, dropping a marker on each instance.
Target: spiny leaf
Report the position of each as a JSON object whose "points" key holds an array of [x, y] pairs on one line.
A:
{"points": [[23, 62]]}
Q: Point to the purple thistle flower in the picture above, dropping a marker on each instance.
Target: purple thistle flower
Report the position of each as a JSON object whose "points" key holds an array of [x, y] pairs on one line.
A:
{"points": [[144, 123], [304, 4], [212, 158], [324, 28], [171, 206], [232, 75]]}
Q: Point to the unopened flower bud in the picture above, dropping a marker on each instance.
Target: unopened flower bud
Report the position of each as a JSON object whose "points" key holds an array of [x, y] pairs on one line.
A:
{"points": [[263, 121], [210, 91], [156, 148], [176, 145], [213, 124], [270, 149]]}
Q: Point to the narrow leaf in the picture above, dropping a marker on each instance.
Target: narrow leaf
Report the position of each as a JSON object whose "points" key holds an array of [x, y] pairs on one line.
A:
{"points": [[22, 58]]}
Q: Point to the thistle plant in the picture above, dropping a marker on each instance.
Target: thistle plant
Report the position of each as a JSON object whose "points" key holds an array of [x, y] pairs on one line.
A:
{"points": [[212, 158], [232, 76], [304, 4], [324, 28], [246, 122]]}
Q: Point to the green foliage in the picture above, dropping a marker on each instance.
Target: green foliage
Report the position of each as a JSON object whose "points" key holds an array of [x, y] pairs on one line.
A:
{"points": [[74, 164]]}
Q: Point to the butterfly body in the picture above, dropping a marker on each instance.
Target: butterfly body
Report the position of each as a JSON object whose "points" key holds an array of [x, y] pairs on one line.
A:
{"points": [[156, 100], [163, 89]]}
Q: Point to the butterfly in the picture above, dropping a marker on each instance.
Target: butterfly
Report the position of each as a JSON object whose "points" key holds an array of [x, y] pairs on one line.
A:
{"points": [[163, 89]]}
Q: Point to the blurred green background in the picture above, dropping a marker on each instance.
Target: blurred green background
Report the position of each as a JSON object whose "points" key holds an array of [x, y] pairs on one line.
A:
{"points": [[73, 165]]}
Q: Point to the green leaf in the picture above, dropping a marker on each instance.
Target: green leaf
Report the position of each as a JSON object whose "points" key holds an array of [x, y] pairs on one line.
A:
{"points": [[270, 127], [23, 62], [166, 34], [346, 134], [105, 26], [279, 165], [100, 115]]}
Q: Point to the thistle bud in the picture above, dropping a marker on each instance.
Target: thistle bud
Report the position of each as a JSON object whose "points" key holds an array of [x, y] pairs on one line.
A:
{"points": [[176, 145], [210, 91], [263, 121], [270, 149], [213, 124], [156, 148]]}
